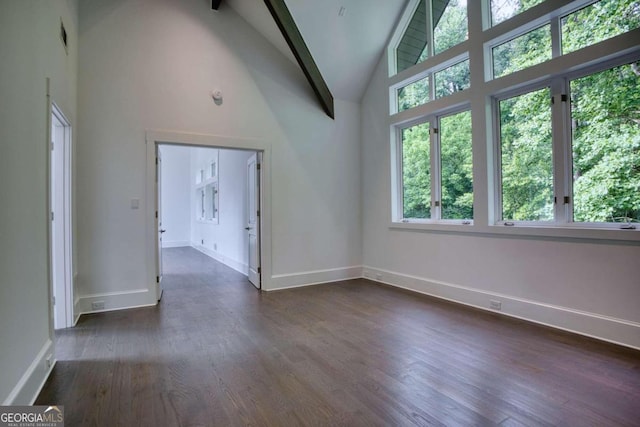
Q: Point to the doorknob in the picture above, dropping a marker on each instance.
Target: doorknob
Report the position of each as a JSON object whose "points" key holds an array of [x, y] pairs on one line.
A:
{"points": [[162, 231], [247, 228]]}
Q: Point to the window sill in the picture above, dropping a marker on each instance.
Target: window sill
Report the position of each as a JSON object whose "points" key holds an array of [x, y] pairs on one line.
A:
{"points": [[537, 231]]}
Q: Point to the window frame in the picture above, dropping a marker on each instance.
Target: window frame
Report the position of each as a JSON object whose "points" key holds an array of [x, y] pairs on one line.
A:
{"points": [[435, 170], [556, 72]]}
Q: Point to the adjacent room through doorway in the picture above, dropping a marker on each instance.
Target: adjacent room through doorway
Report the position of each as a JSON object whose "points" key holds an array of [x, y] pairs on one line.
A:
{"points": [[208, 200]]}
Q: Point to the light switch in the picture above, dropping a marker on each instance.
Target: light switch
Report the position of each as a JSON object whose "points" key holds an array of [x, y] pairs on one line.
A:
{"points": [[135, 203]]}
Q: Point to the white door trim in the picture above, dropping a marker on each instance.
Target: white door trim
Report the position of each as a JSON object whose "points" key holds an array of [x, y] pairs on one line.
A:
{"points": [[155, 137], [64, 260]]}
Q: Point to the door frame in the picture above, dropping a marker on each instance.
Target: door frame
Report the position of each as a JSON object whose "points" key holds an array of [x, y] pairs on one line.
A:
{"points": [[156, 137], [65, 259]]}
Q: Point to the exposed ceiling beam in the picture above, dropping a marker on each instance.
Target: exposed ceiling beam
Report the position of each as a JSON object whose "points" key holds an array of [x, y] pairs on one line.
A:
{"points": [[215, 4], [296, 43]]}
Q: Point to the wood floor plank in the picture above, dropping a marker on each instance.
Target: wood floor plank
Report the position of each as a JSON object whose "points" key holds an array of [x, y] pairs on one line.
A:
{"points": [[217, 352]]}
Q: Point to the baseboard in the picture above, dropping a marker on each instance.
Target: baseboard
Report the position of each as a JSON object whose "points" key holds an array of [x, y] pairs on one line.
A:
{"points": [[229, 262], [116, 301], [176, 244], [28, 387], [617, 331], [316, 277]]}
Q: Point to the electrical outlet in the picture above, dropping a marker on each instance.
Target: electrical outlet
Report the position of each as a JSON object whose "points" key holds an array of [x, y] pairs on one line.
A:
{"points": [[97, 305], [495, 304]]}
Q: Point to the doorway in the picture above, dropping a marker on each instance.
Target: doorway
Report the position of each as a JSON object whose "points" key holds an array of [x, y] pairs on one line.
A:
{"points": [[208, 199], [61, 274]]}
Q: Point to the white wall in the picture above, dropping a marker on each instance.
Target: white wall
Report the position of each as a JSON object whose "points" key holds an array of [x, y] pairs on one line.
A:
{"points": [[30, 51], [225, 240], [150, 65], [176, 195], [591, 287]]}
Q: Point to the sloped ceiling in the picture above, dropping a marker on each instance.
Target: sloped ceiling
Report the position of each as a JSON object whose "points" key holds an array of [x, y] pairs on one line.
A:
{"points": [[346, 48]]}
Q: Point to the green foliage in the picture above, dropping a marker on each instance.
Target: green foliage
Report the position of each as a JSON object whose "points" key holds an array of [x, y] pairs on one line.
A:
{"points": [[416, 172], [527, 158], [452, 27], [606, 145], [456, 166]]}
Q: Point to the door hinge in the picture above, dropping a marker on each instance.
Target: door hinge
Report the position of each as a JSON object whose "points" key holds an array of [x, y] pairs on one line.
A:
{"points": [[564, 97], [52, 145], [258, 213], [433, 130], [53, 300], [436, 203], [157, 279], [156, 160], [259, 270], [156, 214], [52, 216], [258, 165], [566, 200]]}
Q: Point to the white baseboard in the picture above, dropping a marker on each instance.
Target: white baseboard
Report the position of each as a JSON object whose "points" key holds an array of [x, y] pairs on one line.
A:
{"points": [[176, 244], [617, 331], [316, 277], [28, 387], [229, 262], [116, 301]]}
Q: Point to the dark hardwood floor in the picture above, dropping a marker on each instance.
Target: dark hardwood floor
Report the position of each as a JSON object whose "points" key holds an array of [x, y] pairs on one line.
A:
{"points": [[217, 352]]}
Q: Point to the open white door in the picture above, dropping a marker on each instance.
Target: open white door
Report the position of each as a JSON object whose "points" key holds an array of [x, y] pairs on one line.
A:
{"points": [[253, 218], [159, 222]]}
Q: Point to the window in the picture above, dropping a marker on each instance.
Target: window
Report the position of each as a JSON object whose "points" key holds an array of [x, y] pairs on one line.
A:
{"points": [[598, 22], [552, 117], [524, 51], [501, 10], [605, 118], [456, 166], [526, 157], [434, 26], [414, 94], [450, 24], [452, 79], [416, 172], [438, 186]]}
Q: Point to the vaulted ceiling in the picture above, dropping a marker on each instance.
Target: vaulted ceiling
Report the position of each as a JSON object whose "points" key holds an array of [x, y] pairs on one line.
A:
{"points": [[346, 37]]}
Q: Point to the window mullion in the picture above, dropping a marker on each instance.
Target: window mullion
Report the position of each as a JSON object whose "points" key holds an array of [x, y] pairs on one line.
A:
{"points": [[561, 163], [429, 10], [556, 38], [436, 203]]}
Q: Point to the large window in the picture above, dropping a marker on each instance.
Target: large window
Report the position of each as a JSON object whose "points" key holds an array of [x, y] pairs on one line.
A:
{"points": [[437, 169], [538, 126], [526, 157], [433, 27], [605, 118]]}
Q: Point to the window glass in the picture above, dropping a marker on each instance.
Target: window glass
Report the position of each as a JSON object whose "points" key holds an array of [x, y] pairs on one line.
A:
{"points": [[501, 10], [452, 79], [526, 157], [449, 23], [605, 116], [598, 22], [412, 48], [413, 94], [524, 51], [456, 166], [416, 172]]}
